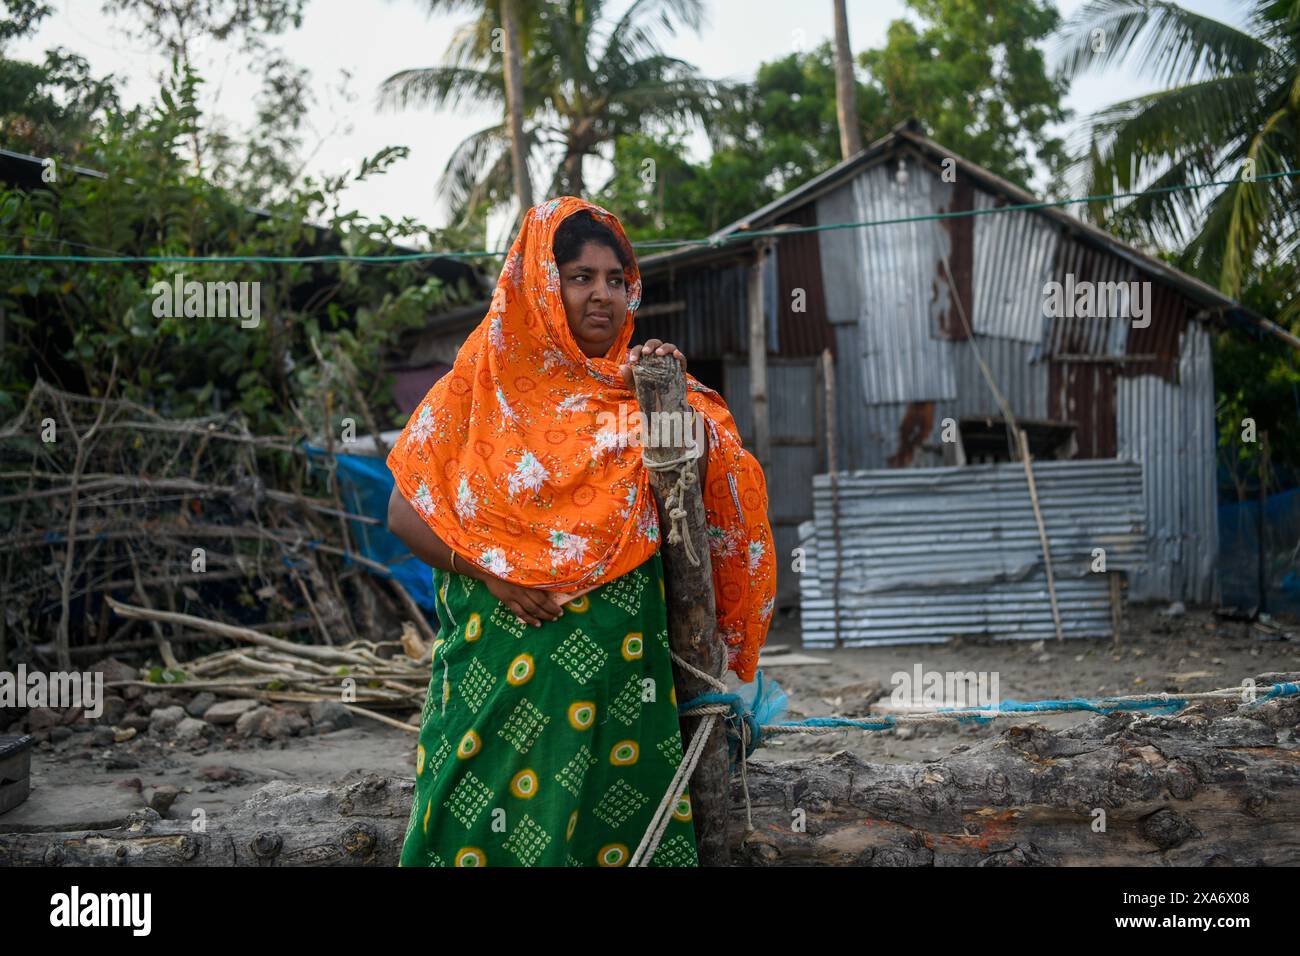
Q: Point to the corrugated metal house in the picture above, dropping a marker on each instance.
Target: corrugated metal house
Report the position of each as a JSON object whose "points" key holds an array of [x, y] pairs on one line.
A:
{"points": [[907, 310]]}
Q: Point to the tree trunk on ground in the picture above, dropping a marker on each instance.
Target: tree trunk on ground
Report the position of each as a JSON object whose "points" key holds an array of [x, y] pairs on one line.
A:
{"points": [[1176, 791]]}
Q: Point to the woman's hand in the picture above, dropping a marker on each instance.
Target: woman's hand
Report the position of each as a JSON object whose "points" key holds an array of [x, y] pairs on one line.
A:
{"points": [[530, 605], [651, 347]]}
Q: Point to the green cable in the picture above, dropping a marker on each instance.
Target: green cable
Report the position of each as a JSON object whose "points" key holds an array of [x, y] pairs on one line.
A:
{"points": [[647, 244]]}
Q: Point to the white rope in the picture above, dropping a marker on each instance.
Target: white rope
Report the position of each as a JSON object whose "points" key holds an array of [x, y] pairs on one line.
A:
{"points": [[645, 850], [674, 504]]}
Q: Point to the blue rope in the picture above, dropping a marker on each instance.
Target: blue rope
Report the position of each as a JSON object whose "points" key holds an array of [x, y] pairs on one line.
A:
{"points": [[1102, 705], [739, 711], [1172, 705], [1284, 689]]}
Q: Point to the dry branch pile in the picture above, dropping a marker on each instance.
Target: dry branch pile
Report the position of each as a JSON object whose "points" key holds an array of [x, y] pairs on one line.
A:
{"points": [[208, 532], [385, 674]]}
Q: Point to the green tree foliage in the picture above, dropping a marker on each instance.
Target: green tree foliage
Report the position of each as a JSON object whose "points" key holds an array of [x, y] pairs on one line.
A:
{"points": [[257, 164], [588, 79], [1231, 106], [972, 73], [48, 108], [70, 321], [1258, 377], [657, 191]]}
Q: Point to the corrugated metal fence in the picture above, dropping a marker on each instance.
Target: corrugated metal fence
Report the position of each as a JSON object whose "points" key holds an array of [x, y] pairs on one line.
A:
{"points": [[929, 553]]}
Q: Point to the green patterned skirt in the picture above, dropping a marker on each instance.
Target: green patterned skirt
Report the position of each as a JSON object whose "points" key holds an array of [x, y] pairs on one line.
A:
{"points": [[551, 745]]}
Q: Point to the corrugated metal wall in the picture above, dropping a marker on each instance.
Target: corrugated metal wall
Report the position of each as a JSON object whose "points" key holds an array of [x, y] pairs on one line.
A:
{"points": [[931, 553], [1171, 429], [892, 268], [1009, 291], [796, 456], [714, 321], [901, 368]]}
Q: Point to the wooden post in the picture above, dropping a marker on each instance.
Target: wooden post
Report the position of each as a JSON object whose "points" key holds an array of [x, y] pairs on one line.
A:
{"points": [[758, 354], [1260, 524], [832, 464], [1116, 607], [692, 621]]}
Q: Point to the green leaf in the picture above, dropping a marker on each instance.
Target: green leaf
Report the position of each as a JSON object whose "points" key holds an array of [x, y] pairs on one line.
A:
{"points": [[162, 675]]}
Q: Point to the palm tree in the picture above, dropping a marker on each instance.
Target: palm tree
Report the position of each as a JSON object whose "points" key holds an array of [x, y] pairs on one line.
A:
{"points": [[500, 28], [514, 81], [585, 82], [1231, 107], [846, 108]]}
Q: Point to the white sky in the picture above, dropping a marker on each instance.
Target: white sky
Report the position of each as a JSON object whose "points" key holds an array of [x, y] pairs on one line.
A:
{"points": [[374, 38]]}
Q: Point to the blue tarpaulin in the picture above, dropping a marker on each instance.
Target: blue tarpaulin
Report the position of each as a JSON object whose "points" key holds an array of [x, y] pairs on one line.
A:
{"points": [[1239, 552], [365, 484]]}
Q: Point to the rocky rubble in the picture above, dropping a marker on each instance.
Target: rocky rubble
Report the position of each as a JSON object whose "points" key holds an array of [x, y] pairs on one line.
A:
{"points": [[138, 725]]}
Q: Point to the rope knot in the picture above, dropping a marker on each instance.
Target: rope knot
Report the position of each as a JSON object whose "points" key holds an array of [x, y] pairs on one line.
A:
{"points": [[675, 501], [742, 723]]}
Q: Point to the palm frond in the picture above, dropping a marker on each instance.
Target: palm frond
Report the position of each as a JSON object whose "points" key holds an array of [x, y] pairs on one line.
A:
{"points": [[1252, 206], [1172, 45], [442, 87], [638, 33], [476, 152]]}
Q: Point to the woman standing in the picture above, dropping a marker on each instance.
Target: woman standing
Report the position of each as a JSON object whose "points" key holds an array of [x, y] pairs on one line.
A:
{"points": [[550, 732]]}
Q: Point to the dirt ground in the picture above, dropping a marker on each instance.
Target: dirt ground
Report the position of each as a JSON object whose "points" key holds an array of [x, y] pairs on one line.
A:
{"points": [[1156, 652], [80, 783]]}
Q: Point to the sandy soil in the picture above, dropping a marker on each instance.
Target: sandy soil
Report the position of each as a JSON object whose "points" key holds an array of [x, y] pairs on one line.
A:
{"points": [[76, 785]]}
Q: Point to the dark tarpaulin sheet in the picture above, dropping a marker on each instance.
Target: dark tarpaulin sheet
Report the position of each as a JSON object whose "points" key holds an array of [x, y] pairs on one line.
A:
{"points": [[365, 484], [1239, 552]]}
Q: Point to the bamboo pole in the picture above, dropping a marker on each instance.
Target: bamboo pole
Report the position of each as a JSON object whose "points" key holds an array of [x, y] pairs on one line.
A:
{"points": [[1261, 525], [1042, 530], [692, 621]]}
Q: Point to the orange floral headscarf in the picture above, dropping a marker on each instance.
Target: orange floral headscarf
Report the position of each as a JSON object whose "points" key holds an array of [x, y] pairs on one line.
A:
{"points": [[511, 463]]}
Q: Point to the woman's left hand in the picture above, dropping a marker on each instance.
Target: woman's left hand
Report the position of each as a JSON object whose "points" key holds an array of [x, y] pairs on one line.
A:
{"points": [[651, 347]]}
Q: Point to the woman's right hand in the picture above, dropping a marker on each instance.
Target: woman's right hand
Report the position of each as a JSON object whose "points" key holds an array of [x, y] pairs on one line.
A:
{"points": [[530, 605]]}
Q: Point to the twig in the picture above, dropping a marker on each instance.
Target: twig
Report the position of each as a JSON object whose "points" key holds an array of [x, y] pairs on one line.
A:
{"points": [[238, 633], [417, 616], [164, 649], [61, 639]]}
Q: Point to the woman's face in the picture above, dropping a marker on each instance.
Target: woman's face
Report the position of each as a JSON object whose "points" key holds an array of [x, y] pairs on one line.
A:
{"points": [[595, 298]]}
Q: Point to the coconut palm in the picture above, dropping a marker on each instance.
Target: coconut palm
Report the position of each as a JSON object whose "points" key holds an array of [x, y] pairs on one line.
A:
{"points": [[1231, 106], [586, 81], [497, 35], [846, 108]]}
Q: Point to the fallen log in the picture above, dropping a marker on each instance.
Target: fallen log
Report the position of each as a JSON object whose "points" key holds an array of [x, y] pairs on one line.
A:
{"points": [[1217, 784]]}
